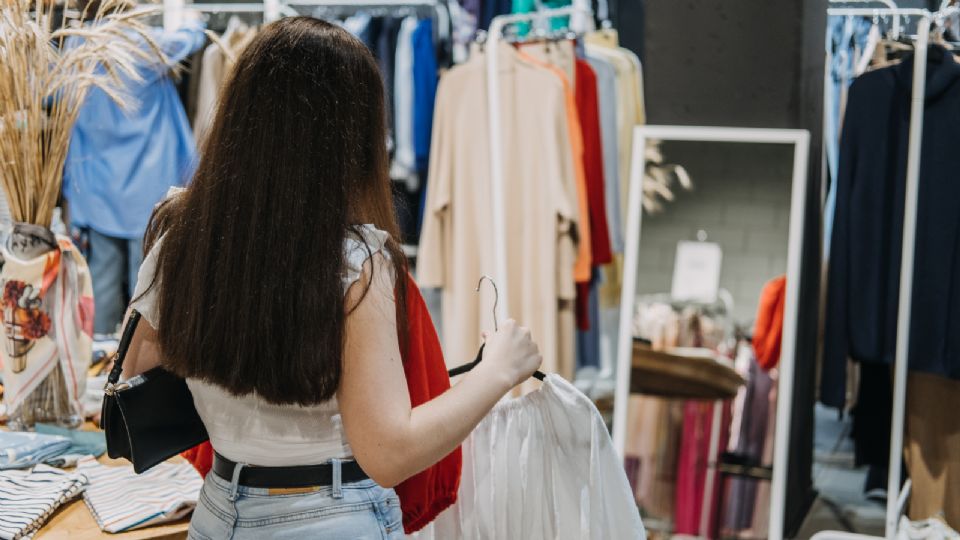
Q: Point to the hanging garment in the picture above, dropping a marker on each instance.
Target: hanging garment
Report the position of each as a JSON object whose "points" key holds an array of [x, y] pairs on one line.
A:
{"points": [[120, 163], [491, 9], [559, 59], [387, 37], [607, 98], [588, 109], [29, 498], [541, 466], [864, 273], [404, 157], [630, 105], [425, 78], [761, 511], [121, 500], [215, 68], [653, 443], [588, 341], [426, 494], [694, 465], [846, 37], [457, 244], [931, 448], [741, 497], [768, 328], [629, 114]]}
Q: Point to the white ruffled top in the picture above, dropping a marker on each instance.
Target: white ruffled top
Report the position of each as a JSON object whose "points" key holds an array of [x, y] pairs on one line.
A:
{"points": [[247, 429]]}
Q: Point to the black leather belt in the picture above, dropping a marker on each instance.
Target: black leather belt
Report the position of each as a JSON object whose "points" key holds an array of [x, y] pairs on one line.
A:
{"points": [[299, 476]]}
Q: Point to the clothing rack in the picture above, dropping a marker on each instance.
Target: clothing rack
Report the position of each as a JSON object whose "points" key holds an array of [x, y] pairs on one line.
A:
{"points": [[498, 189], [897, 498], [274, 9], [889, 4]]}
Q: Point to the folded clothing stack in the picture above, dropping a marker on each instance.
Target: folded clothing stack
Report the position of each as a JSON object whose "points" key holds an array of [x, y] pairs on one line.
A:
{"points": [[21, 450], [121, 500], [29, 496], [50, 445]]}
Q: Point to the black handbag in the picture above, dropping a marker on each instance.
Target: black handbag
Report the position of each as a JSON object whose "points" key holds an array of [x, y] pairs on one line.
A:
{"points": [[150, 417]]}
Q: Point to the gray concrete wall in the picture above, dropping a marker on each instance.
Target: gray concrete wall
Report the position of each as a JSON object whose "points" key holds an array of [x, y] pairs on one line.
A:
{"points": [[742, 200]]}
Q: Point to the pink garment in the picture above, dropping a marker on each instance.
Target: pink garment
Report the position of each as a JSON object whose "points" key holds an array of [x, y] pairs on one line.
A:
{"points": [[692, 466]]}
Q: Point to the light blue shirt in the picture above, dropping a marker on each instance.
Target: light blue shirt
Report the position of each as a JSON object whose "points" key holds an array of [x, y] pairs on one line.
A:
{"points": [[121, 163]]}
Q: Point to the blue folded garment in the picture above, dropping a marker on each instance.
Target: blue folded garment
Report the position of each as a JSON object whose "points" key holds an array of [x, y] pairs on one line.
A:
{"points": [[82, 443], [19, 450]]}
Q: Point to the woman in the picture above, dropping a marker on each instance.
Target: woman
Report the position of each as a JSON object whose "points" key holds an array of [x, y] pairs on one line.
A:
{"points": [[265, 291]]}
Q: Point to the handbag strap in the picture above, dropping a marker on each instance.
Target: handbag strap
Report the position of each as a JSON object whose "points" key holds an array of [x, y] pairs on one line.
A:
{"points": [[125, 340]]}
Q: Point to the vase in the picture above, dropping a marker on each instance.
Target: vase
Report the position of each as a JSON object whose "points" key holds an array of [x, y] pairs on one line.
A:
{"points": [[47, 311]]}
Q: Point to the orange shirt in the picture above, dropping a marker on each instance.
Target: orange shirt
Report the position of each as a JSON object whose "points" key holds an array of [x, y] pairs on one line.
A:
{"points": [[582, 268]]}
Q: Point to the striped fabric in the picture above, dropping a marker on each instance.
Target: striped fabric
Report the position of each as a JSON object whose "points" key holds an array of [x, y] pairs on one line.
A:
{"points": [[121, 500], [29, 497]]}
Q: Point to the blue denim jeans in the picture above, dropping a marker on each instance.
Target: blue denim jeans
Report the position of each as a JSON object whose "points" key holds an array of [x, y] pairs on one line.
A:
{"points": [[114, 264], [359, 510]]}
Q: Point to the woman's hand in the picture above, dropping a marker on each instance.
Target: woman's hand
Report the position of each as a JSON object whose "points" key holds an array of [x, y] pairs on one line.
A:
{"points": [[390, 439], [511, 352]]}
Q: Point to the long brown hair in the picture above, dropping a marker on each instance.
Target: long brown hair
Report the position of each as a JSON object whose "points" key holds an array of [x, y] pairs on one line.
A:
{"points": [[251, 264]]}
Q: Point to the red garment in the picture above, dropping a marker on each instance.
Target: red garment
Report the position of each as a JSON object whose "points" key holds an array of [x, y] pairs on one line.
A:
{"points": [[588, 108], [692, 465], [768, 329], [424, 495]]}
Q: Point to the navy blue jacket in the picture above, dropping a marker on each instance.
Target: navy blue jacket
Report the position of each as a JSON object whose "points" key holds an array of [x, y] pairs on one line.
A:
{"points": [[865, 254]]}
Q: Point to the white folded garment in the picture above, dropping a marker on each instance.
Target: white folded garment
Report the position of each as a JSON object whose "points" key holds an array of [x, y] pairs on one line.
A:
{"points": [[122, 500]]}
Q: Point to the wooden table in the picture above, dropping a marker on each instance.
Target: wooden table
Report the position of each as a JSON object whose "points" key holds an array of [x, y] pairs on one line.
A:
{"points": [[681, 376], [74, 521]]}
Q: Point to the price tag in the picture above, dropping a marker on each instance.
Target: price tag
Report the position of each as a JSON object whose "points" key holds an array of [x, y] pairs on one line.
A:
{"points": [[696, 272]]}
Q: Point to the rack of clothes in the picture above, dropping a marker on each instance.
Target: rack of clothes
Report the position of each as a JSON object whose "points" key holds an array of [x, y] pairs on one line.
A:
{"points": [[524, 185], [412, 40], [901, 280]]}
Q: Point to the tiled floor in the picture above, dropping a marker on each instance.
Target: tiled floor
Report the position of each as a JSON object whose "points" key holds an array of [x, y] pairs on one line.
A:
{"points": [[841, 505]]}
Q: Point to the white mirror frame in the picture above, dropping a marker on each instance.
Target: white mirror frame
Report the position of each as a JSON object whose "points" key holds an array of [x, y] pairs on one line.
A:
{"points": [[800, 139]]}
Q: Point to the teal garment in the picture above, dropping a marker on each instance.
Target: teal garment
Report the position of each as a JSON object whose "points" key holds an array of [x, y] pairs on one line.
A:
{"points": [[82, 443], [527, 6]]}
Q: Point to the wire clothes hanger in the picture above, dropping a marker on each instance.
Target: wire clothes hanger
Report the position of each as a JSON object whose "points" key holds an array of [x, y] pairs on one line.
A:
{"points": [[460, 370]]}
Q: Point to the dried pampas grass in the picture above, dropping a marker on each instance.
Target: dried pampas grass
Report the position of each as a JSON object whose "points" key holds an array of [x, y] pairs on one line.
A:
{"points": [[659, 178], [45, 74]]}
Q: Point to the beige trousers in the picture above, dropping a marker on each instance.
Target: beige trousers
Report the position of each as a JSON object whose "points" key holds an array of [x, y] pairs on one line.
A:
{"points": [[931, 446]]}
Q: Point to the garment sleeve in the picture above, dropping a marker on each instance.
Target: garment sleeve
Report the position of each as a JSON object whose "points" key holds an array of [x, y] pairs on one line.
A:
{"points": [[565, 195], [637, 81], [836, 337], [211, 77], [432, 257], [176, 46]]}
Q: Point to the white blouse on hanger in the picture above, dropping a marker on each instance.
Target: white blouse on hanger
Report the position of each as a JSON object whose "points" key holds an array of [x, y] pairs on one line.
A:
{"points": [[541, 466]]}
